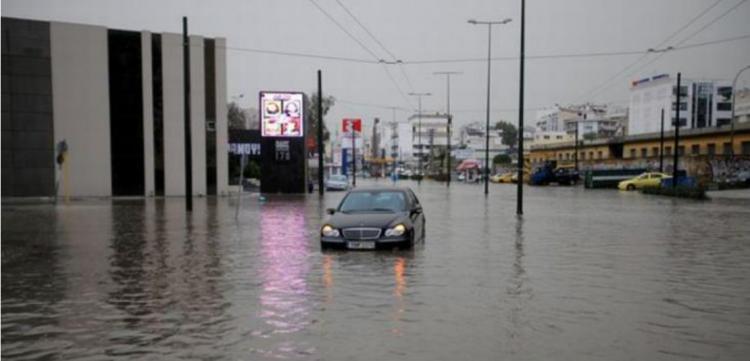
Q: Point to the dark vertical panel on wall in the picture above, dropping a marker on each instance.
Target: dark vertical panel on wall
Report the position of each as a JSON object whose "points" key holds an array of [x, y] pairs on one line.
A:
{"points": [[126, 112], [28, 168], [210, 81], [158, 94]]}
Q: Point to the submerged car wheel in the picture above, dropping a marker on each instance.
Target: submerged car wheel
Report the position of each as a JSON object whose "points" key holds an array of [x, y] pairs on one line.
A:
{"points": [[630, 187]]}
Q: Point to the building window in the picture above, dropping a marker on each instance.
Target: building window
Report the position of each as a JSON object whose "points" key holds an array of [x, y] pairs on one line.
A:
{"points": [[722, 121], [683, 106], [591, 155], [695, 149], [683, 90], [583, 155], [711, 149], [683, 122], [567, 156], [632, 152], [745, 148], [681, 150], [724, 107], [559, 137], [546, 137], [599, 154], [727, 148], [644, 153], [655, 151], [668, 150]]}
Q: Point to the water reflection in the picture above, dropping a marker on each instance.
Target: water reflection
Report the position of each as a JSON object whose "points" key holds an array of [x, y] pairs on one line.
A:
{"points": [[33, 284], [399, 266], [285, 297]]}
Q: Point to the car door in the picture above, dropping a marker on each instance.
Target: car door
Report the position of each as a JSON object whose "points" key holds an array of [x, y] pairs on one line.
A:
{"points": [[654, 180], [417, 218]]}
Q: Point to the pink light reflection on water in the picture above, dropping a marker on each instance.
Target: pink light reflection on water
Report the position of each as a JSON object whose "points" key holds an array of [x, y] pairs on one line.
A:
{"points": [[284, 298]]}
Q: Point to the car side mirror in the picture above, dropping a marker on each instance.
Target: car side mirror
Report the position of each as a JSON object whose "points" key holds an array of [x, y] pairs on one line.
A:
{"points": [[416, 210], [330, 211]]}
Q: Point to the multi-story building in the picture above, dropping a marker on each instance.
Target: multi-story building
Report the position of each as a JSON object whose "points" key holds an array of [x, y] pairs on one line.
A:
{"points": [[472, 136], [429, 132], [742, 106], [599, 121], [115, 97], [702, 104]]}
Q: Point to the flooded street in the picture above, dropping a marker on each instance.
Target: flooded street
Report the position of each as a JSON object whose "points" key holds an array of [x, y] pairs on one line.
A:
{"points": [[584, 275]]}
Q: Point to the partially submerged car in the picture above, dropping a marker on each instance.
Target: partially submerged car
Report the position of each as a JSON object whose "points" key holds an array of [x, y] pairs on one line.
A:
{"points": [[374, 218]]}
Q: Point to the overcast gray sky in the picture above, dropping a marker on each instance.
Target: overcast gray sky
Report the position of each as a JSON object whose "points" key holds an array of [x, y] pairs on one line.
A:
{"points": [[419, 30]]}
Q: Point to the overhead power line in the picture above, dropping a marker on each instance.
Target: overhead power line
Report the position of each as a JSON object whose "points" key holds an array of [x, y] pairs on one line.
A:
{"points": [[610, 80], [508, 58], [704, 27], [333, 20], [375, 56], [394, 58]]}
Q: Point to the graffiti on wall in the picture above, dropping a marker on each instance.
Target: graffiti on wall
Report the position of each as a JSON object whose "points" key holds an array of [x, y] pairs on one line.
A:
{"points": [[730, 170]]}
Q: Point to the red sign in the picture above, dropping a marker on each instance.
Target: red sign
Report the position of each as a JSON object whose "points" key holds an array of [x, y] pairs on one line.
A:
{"points": [[349, 122]]}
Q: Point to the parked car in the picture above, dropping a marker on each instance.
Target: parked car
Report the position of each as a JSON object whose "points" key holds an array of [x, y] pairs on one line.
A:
{"points": [[645, 180], [372, 218], [550, 173], [337, 182], [502, 178]]}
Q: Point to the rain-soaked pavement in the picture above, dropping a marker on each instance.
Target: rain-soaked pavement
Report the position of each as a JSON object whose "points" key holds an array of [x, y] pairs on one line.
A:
{"points": [[585, 275]]}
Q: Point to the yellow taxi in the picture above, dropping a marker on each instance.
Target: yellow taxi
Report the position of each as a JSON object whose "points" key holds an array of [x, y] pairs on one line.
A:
{"points": [[645, 180], [502, 178]]}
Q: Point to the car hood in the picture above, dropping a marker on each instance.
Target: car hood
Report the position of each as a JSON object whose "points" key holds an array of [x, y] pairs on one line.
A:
{"points": [[360, 219]]}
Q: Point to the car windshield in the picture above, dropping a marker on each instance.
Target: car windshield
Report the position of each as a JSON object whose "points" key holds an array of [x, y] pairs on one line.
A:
{"points": [[338, 178], [374, 201]]}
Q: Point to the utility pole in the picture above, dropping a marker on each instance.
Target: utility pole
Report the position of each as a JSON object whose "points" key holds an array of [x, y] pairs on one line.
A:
{"points": [[519, 198], [731, 120], [419, 133], [661, 142], [676, 133], [321, 186], [449, 116], [487, 122], [188, 137], [575, 147]]}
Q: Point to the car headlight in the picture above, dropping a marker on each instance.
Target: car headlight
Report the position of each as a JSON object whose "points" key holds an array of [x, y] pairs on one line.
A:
{"points": [[328, 231], [396, 231]]}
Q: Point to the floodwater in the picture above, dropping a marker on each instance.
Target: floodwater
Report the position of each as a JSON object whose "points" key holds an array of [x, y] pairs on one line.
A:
{"points": [[584, 275]]}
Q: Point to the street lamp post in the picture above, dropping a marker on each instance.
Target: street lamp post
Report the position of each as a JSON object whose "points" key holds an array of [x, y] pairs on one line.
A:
{"points": [[487, 123], [419, 132], [731, 120], [448, 114]]}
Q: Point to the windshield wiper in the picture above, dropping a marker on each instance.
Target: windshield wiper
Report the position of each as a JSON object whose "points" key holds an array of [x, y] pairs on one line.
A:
{"points": [[381, 210]]}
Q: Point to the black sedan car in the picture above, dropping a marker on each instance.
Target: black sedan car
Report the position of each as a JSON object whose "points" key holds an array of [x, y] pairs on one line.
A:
{"points": [[373, 218]]}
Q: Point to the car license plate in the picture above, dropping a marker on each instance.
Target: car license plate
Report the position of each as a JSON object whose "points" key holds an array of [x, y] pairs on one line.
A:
{"points": [[361, 245]]}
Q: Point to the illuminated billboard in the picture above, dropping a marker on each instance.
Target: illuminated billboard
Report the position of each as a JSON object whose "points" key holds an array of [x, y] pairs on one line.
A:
{"points": [[281, 114]]}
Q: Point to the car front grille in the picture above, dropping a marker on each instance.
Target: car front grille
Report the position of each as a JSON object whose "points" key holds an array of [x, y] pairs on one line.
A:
{"points": [[361, 233]]}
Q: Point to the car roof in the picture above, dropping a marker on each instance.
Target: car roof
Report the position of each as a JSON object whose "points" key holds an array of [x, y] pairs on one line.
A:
{"points": [[379, 189]]}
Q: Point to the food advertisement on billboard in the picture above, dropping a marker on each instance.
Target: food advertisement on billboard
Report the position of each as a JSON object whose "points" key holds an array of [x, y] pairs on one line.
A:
{"points": [[281, 114]]}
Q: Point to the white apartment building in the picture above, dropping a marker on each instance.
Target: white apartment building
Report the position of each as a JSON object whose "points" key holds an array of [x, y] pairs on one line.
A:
{"points": [[472, 136], [601, 120], [428, 133], [702, 104]]}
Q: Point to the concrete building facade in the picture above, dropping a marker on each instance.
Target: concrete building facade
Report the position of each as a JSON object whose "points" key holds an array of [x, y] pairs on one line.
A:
{"points": [[116, 99], [703, 104]]}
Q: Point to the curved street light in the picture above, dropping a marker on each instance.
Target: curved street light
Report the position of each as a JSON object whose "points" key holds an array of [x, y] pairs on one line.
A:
{"points": [[487, 123]]}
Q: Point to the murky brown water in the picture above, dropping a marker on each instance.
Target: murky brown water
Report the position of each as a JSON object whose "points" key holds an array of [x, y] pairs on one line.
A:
{"points": [[585, 275]]}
